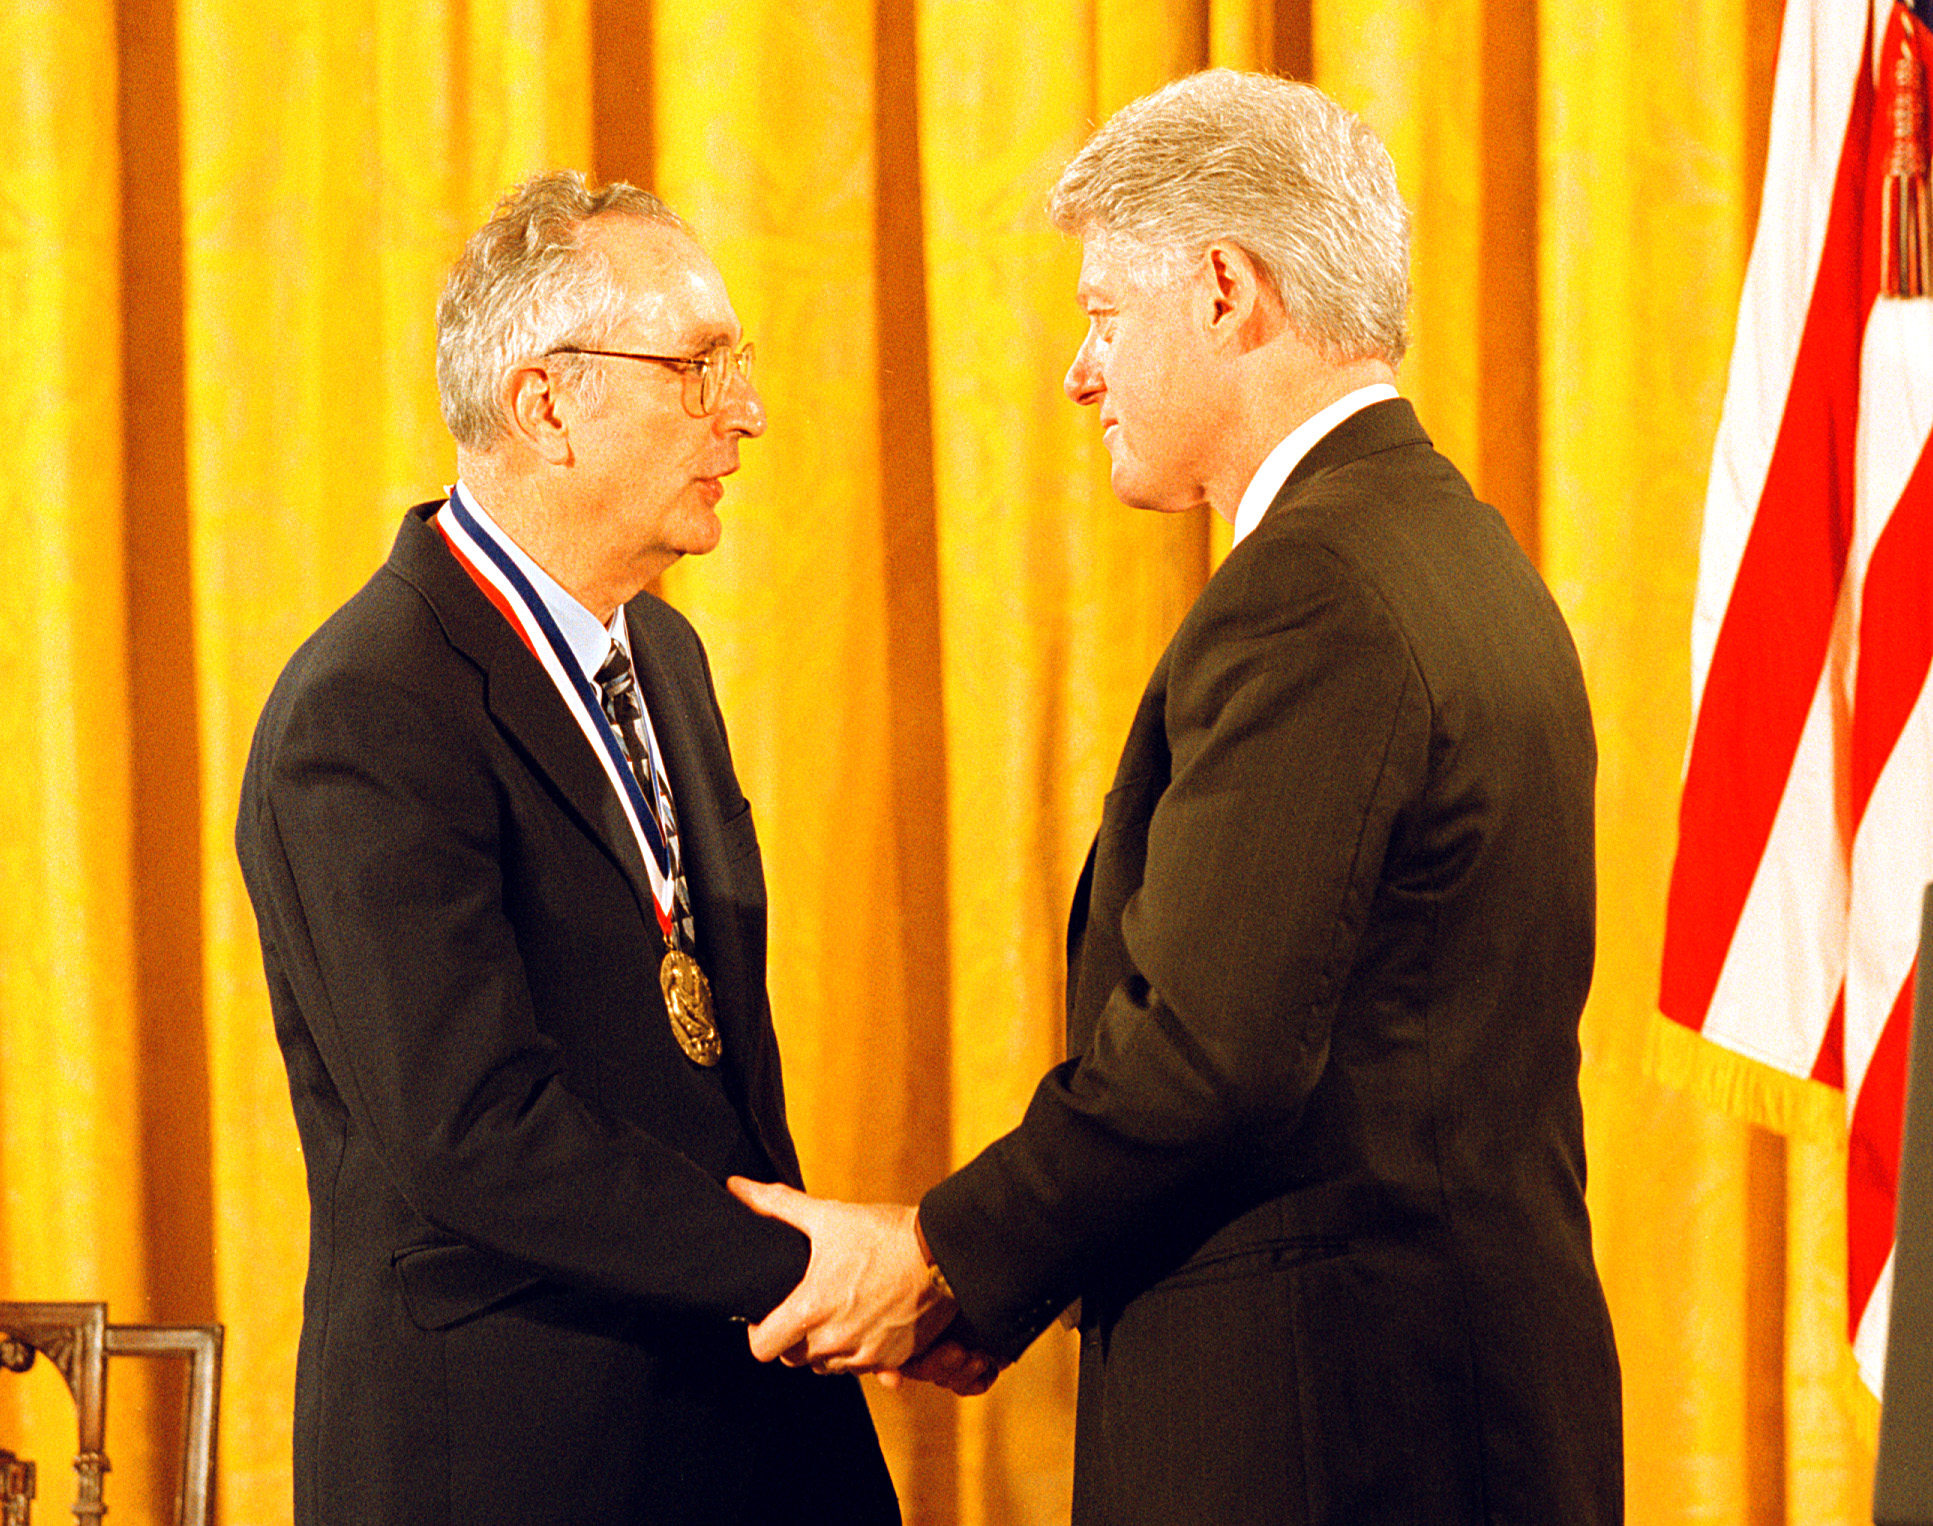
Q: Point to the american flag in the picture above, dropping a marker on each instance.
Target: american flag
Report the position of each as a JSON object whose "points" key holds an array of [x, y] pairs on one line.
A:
{"points": [[1806, 828]]}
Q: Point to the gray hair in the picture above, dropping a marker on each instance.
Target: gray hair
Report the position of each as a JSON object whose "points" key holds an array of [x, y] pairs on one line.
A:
{"points": [[524, 285], [1302, 186]]}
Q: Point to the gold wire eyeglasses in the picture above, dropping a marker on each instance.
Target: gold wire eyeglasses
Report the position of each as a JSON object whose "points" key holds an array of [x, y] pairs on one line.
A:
{"points": [[713, 370]]}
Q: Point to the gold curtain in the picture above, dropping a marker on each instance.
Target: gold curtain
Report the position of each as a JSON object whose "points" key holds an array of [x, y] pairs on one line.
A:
{"points": [[222, 229]]}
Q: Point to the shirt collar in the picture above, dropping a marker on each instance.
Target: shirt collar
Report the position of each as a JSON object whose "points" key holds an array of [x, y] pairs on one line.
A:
{"points": [[588, 638], [1286, 457]]}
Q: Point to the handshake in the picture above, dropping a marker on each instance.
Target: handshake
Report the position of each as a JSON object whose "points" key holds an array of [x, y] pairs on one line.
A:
{"points": [[870, 1301]]}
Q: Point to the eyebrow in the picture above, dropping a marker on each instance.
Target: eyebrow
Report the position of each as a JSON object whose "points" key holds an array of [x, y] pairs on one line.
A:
{"points": [[709, 338]]}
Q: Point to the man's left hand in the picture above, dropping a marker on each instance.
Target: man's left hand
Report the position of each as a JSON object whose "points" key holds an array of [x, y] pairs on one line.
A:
{"points": [[868, 1301], [948, 1364]]}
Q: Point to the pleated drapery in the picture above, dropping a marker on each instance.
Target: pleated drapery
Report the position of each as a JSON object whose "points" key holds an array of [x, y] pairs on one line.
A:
{"points": [[223, 226]]}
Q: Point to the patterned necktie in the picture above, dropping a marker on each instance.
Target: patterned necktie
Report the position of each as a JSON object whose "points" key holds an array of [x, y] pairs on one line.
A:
{"points": [[617, 690]]}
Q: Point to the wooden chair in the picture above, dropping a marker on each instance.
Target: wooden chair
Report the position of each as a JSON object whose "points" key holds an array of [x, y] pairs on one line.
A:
{"points": [[78, 1340], [16, 1489]]}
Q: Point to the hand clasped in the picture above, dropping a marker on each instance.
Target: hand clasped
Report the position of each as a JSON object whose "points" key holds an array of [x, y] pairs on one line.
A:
{"points": [[869, 1302]]}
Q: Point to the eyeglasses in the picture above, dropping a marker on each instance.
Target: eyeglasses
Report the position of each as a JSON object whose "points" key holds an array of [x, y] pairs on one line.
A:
{"points": [[712, 369]]}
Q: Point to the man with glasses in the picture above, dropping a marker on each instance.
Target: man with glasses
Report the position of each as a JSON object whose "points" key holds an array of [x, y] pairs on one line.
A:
{"points": [[513, 921]]}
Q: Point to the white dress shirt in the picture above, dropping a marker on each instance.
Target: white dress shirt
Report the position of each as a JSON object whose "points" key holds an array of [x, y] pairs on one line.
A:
{"points": [[588, 638], [1286, 457]]}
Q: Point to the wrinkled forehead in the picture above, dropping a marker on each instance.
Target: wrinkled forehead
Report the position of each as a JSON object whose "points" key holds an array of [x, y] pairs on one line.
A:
{"points": [[1114, 265], [675, 294]]}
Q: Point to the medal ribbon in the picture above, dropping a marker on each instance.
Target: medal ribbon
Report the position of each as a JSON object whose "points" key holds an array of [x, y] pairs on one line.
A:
{"points": [[503, 583]]}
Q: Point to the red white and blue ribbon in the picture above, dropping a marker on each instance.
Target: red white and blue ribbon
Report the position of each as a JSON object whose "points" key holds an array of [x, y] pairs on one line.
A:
{"points": [[504, 584]]}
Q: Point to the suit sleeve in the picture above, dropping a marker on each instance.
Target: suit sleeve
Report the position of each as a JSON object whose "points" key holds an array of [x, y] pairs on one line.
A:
{"points": [[372, 834], [1295, 728]]}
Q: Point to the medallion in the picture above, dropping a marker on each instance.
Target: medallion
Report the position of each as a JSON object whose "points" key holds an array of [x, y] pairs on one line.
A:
{"points": [[687, 1001]]}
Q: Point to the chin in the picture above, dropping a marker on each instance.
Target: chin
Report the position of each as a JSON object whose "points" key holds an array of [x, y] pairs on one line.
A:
{"points": [[702, 535], [1149, 496]]}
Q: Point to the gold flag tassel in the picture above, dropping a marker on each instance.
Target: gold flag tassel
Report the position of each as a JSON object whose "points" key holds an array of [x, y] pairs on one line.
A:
{"points": [[1906, 242]]}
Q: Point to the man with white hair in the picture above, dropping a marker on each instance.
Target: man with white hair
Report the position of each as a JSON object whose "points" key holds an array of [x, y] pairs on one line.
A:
{"points": [[513, 922], [1314, 1169]]}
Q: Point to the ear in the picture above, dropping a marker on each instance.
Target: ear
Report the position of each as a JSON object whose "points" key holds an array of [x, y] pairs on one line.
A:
{"points": [[533, 410], [1235, 290]]}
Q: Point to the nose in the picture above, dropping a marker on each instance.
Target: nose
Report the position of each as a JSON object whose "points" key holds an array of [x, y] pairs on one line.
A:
{"points": [[742, 411], [1083, 380]]}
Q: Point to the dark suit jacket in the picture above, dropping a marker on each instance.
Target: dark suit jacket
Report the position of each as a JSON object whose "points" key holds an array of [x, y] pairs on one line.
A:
{"points": [[522, 1264], [1316, 1166]]}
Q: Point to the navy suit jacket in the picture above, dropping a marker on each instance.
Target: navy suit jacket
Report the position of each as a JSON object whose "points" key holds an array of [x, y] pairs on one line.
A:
{"points": [[524, 1268]]}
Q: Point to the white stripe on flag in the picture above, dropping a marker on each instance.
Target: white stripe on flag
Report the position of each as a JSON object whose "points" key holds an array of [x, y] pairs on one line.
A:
{"points": [[1895, 412], [1892, 860], [1892, 856], [1783, 969], [1869, 1341], [1819, 59]]}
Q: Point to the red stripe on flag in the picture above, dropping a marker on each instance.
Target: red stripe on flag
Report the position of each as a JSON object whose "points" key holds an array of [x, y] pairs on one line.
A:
{"points": [[1830, 1064], [1895, 632], [1872, 1159], [1772, 645]]}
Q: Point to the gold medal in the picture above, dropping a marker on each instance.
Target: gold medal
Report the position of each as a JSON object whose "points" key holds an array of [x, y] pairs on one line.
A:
{"points": [[687, 1002]]}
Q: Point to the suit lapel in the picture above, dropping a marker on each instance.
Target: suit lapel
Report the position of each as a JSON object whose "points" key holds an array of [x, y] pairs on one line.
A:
{"points": [[701, 836], [526, 706], [717, 896], [520, 695], [700, 840]]}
